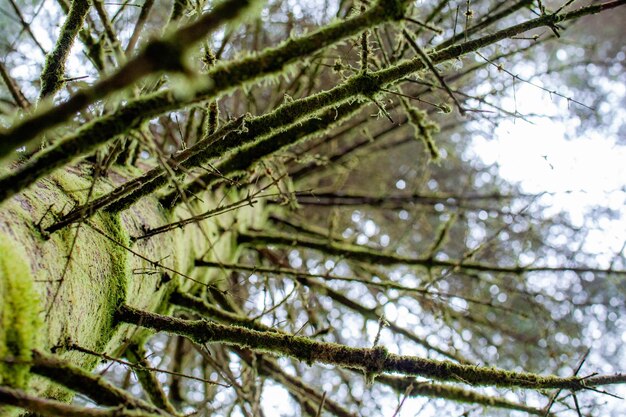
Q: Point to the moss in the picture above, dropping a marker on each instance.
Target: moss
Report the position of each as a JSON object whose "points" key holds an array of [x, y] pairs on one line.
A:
{"points": [[119, 279], [54, 68], [221, 79], [479, 375], [372, 361], [424, 129], [264, 146], [369, 84], [97, 278], [102, 273], [92, 385], [415, 388], [19, 314], [211, 119], [375, 363], [86, 139], [148, 380]]}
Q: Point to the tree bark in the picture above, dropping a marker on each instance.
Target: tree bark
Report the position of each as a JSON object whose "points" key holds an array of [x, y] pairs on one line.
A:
{"points": [[54, 292]]}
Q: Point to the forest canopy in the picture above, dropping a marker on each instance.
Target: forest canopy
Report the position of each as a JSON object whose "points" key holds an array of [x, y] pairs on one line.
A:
{"points": [[250, 208]]}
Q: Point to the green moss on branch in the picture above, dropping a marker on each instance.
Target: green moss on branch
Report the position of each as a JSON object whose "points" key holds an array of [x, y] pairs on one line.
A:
{"points": [[50, 408], [91, 385], [451, 392], [244, 157], [228, 76], [231, 137], [54, 69], [151, 385], [423, 127], [372, 361], [220, 79]]}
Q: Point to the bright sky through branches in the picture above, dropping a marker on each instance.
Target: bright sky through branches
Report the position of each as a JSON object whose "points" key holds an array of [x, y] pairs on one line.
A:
{"points": [[578, 172]]}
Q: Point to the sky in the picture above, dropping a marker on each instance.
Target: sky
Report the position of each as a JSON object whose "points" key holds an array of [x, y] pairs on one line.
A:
{"points": [[578, 171]]}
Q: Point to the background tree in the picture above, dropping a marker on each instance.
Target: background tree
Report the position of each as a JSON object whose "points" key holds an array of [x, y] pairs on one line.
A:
{"points": [[214, 203]]}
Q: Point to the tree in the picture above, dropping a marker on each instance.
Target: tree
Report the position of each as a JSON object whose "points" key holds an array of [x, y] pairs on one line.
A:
{"points": [[217, 195]]}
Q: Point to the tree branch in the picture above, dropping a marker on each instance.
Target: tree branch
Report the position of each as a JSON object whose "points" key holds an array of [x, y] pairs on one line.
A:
{"points": [[131, 116], [374, 256], [18, 398], [222, 78], [93, 386], [372, 361], [54, 69]]}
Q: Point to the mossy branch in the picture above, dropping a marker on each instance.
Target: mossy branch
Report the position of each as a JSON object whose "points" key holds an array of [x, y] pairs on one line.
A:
{"points": [[131, 116], [220, 79], [132, 190], [166, 54], [246, 157], [50, 408], [266, 366], [453, 393], [235, 134], [306, 278], [374, 360], [376, 257], [423, 127], [152, 387], [93, 386], [52, 77]]}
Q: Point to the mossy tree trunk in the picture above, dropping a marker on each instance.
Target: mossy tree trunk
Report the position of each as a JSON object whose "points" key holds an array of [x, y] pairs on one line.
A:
{"points": [[64, 288]]}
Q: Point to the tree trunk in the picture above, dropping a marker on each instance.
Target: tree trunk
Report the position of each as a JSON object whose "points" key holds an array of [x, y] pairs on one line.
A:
{"points": [[98, 272]]}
